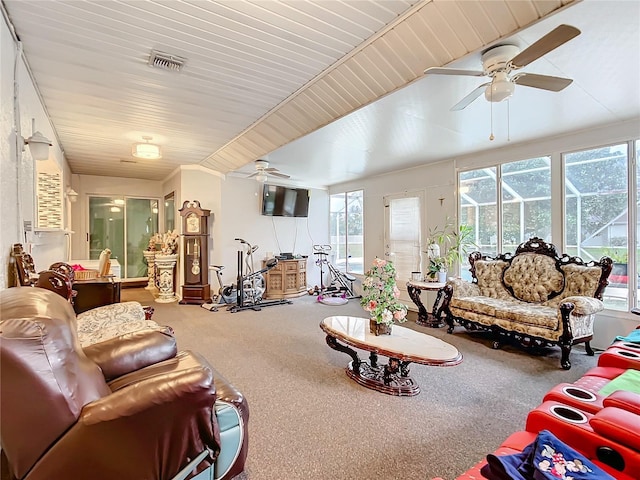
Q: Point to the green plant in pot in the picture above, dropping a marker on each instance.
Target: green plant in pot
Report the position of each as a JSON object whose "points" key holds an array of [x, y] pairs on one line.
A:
{"points": [[446, 247]]}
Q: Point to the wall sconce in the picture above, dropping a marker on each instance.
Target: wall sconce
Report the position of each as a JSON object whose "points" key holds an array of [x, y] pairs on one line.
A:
{"points": [[146, 150], [38, 143], [71, 194]]}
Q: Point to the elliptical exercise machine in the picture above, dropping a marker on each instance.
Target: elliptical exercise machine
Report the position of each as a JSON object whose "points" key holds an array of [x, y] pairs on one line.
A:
{"points": [[341, 284], [250, 285]]}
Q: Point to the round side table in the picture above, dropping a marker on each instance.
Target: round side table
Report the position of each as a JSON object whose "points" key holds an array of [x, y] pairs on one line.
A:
{"points": [[426, 319]]}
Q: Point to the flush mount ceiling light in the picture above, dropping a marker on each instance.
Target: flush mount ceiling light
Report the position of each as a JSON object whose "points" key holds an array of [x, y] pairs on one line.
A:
{"points": [[147, 150]]}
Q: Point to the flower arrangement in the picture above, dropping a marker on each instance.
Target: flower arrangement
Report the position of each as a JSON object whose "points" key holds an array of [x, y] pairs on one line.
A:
{"points": [[381, 294], [168, 242]]}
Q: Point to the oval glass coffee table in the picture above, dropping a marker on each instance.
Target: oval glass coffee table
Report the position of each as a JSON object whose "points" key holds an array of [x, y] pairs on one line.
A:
{"points": [[402, 347]]}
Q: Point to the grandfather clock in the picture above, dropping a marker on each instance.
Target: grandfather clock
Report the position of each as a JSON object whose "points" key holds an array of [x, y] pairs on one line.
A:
{"points": [[195, 249]]}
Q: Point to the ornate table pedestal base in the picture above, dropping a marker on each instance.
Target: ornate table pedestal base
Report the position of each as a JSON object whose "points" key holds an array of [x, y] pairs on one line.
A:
{"points": [[392, 378], [150, 256], [425, 318], [165, 265]]}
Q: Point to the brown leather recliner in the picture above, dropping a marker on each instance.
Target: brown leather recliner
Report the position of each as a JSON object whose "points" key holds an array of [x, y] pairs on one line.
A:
{"points": [[62, 419]]}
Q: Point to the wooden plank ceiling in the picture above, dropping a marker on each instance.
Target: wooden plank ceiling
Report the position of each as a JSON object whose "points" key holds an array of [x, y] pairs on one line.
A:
{"points": [[258, 74]]}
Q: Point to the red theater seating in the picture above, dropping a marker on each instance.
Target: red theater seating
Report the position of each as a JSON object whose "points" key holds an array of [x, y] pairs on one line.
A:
{"points": [[612, 435], [619, 358], [583, 393], [603, 428]]}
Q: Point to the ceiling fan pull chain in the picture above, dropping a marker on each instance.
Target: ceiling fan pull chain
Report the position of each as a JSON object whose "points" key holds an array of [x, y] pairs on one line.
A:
{"points": [[508, 122], [491, 137]]}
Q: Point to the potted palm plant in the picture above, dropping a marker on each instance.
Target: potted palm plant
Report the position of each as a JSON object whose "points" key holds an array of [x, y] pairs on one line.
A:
{"points": [[446, 247]]}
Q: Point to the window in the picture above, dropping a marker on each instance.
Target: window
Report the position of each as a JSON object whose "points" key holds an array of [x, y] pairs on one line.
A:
{"points": [[478, 207], [597, 213], [526, 201], [597, 195], [346, 230]]}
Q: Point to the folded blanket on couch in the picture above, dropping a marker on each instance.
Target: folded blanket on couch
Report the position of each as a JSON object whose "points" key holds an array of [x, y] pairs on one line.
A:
{"points": [[547, 458]]}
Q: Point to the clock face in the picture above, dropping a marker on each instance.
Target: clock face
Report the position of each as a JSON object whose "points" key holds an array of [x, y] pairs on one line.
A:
{"points": [[193, 223]]}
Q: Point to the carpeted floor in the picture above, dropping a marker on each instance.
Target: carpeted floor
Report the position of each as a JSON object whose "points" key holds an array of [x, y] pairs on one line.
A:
{"points": [[310, 421]]}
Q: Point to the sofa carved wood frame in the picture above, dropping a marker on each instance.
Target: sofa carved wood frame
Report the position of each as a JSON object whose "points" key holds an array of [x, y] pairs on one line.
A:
{"points": [[530, 342]]}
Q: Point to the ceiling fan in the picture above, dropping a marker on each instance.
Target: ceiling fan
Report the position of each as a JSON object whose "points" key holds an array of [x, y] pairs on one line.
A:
{"points": [[500, 61], [263, 169]]}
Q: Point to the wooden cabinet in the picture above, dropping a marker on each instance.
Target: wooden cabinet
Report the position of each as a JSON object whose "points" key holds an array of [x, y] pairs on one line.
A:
{"points": [[287, 279], [95, 293]]}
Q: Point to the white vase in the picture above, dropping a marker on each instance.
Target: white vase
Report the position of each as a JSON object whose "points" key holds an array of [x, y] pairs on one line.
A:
{"points": [[442, 277]]}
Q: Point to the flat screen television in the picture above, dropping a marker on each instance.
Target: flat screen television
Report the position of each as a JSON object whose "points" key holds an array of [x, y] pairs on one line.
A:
{"points": [[278, 201]]}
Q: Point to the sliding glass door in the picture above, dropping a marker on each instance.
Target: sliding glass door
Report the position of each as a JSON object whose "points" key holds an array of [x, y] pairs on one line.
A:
{"points": [[124, 225]]}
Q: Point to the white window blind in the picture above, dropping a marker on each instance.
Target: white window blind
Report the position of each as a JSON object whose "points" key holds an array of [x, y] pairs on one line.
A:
{"points": [[403, 235]]}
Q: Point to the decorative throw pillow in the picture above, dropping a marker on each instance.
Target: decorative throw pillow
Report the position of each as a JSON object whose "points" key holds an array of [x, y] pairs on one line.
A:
{"points": [[580, 280]]}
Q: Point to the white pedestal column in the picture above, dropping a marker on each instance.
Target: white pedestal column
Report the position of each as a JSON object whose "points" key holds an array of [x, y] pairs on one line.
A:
{"points": [[165, 264], [150, 257]]}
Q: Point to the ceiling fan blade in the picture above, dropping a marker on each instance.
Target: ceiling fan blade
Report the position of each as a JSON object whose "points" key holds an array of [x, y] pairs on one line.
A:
{"points": [[281, 175], [552, 40], [253, 174], [453, 71], [470, 98], [545, 82], [271, 169]]}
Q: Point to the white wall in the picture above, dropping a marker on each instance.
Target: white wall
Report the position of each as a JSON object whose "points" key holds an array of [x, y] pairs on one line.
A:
{"points": [[204, 185], [241, 218], [17, 168]]}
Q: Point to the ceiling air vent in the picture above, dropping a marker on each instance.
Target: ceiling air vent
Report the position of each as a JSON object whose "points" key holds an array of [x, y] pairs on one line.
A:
{"points": [[166, 61]]}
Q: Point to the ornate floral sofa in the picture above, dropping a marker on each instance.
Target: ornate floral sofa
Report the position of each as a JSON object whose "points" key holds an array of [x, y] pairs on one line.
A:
{"points": [[535, 297]]}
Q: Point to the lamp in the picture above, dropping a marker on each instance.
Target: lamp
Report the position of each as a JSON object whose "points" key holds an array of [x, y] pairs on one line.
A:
{"points": [[261, 177], [500, 88], [38, 143], [146, 150], [71, 194]]}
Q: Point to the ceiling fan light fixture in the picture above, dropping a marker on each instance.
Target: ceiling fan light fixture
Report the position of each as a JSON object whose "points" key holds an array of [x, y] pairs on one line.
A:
{"points": [[500, 88], [149, 151], [261, 177]]}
